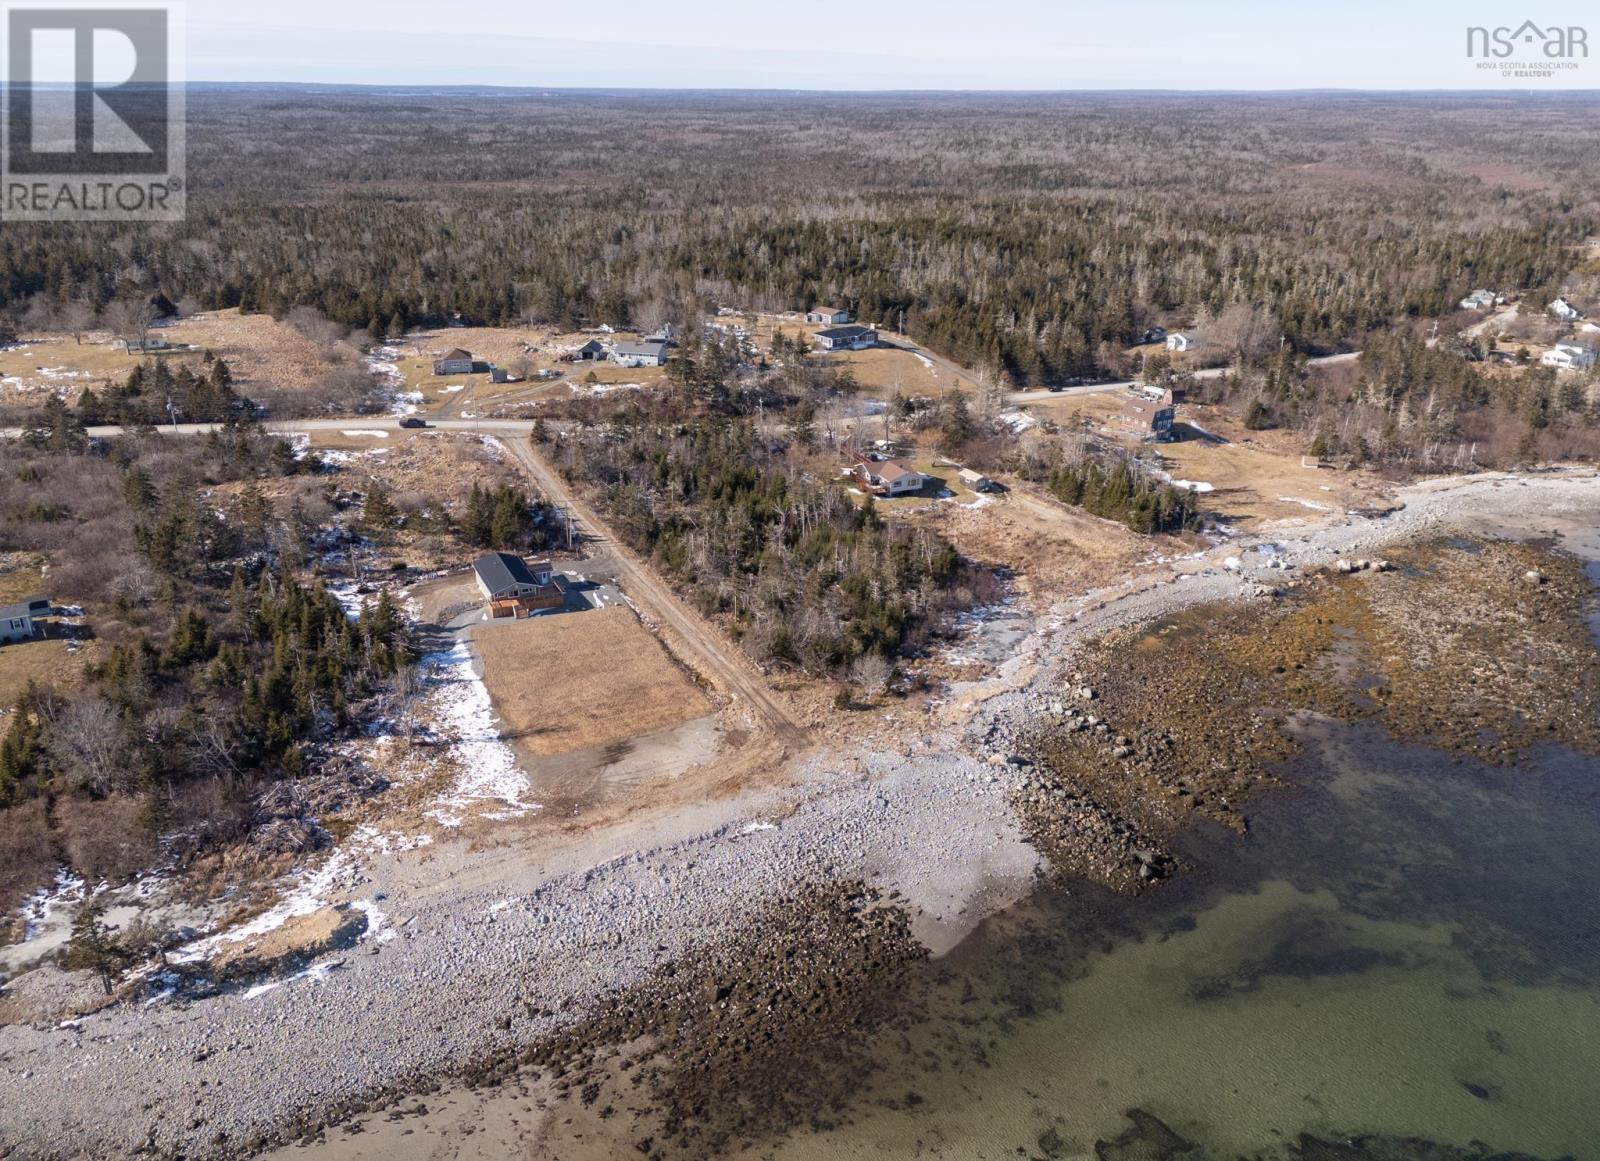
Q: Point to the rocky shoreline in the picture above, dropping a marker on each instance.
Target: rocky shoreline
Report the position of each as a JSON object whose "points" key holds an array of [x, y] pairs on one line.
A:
{"points": [[537, 961]]}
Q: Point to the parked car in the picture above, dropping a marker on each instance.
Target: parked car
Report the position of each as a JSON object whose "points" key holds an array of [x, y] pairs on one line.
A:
{"points": [[413, 421]]}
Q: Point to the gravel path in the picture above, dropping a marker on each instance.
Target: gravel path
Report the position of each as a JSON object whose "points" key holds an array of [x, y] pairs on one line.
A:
{"points": [[441, 976]]}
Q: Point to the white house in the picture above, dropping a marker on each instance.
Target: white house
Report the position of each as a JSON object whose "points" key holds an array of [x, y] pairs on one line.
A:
{"points": [[831, 315], [889, 478], [1565, 311], [455, 362], [142, 346], [1569, 357], [645, 354], [16, 621], [1479, 300], [847, 338], [1182, 342]]}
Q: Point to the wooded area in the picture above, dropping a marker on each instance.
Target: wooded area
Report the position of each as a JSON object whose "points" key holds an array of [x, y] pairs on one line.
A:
{"points": [[1032, 235]]}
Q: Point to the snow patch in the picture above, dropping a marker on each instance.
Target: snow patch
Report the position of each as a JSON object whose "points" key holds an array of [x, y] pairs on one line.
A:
{"points": [[488, 768], [365, 433]]}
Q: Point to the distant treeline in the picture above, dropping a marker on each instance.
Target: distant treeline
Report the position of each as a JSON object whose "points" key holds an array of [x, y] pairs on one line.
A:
{"points": [[1035, 236]]}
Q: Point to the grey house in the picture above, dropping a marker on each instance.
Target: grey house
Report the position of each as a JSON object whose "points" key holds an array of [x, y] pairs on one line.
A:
{"points": [[512, 588], [832, 315], [593, 349], [645, 354], [851, 338], [456, 362]]}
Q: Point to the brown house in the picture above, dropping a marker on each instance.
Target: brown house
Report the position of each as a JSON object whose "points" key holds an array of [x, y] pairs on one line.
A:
{"points": [[1148, 418]]}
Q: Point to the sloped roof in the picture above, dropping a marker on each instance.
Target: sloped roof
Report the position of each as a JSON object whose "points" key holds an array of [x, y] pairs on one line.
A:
{"points": [[654, 350], [455, 355], [843, 334], [500, 572], [892, 470]]}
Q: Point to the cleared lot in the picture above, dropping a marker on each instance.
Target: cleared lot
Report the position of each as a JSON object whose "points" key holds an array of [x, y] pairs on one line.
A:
{"points": [[582, 680]]}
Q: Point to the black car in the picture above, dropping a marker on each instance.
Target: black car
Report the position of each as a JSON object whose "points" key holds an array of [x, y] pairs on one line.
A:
{"points": [[413, 421]]}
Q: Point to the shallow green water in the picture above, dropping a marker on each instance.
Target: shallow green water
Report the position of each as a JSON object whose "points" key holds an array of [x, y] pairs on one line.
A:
{"points": [[1405, 945]]}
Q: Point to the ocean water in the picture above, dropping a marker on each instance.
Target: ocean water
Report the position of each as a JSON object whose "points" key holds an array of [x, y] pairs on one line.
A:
{"points": [[1405, 944]]}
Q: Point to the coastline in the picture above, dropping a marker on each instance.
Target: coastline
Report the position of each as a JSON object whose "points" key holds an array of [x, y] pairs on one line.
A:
{"points": [[929, 825]]}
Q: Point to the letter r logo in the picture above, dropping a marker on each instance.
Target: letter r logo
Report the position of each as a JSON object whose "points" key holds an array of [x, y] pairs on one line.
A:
{"points": [[89, 90]]}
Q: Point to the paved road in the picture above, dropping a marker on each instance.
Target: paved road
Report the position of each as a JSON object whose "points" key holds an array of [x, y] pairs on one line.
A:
{"points": [[704, 645], [1208, 373]]}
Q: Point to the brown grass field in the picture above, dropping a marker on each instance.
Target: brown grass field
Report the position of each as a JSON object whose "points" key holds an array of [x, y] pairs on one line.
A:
{"points": [[582, 680]]}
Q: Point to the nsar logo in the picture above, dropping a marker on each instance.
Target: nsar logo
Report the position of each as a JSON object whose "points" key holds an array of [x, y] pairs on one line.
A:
{"points": [[1529, 52]]}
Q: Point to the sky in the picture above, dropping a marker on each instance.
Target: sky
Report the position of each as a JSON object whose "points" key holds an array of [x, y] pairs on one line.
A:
{"points": [[887, 44]]}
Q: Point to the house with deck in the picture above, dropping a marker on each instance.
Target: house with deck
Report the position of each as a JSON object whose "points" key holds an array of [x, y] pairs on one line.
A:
{"points": [[1565, 311], [1569, 357], [832, 316], [515, 588], [887, 477]]}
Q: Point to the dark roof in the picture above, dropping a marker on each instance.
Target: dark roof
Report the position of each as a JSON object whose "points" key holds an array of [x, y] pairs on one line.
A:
{"points": [[593, 345], [843, 334], [455, 355], [500, 572], [21, 609]]}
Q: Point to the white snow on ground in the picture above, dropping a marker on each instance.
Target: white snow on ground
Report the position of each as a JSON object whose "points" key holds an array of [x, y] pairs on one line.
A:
{"points": [[496, 449], [452, 389], [304, 893], [39, 908], [383, 362], [465, 718], [604, 388], [1017, 421], [317, 972], [1194, 485], [365, 433], [1305, 503], [923, 359]]}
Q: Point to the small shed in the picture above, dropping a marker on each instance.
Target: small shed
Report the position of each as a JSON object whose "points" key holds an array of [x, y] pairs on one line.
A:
{"points": [[975, 480], [593, 349], [1182, 342]]}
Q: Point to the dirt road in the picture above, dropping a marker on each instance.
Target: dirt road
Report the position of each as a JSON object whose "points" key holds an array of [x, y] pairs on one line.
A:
{"points": [[705, 648]]}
